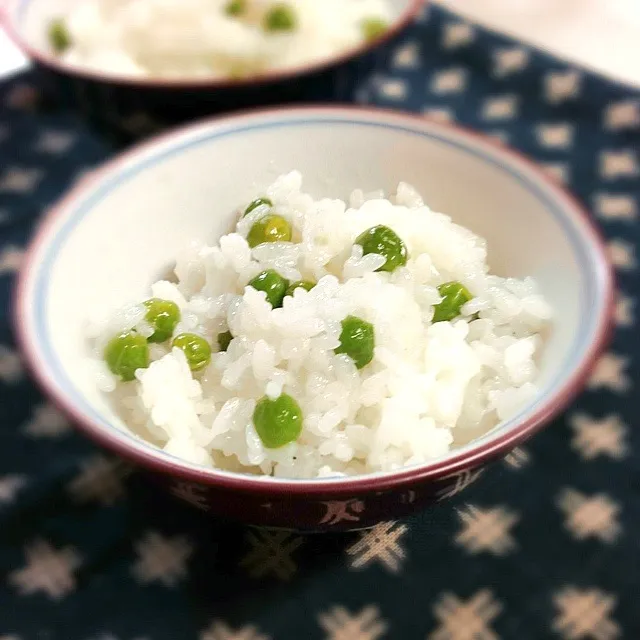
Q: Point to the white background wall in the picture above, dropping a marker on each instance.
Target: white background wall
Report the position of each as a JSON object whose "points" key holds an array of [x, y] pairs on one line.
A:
{"points": [[601, 34]]}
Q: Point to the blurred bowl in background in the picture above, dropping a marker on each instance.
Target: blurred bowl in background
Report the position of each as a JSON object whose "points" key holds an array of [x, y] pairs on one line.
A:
{"points": [[131, 108]]}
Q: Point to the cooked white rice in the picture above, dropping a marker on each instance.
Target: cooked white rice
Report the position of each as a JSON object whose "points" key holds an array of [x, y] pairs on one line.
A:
{"points": [[428, 382], [196, 38]]}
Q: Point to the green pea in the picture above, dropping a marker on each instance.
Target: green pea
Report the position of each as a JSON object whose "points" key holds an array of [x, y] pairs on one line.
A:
{"points": [[455, 296], [300, 284], [59, 36], [273, 284], [163, 316], [373, 28], [196, 349], [258, 202], [224, 339], [235, 7], [386, 243], [357, 340], [271, 228], [278, 422], [126, 353], [281, 17]]}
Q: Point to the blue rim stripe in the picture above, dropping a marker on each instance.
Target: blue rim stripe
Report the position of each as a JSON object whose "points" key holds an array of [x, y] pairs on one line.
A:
{"points": [[589, 301]]}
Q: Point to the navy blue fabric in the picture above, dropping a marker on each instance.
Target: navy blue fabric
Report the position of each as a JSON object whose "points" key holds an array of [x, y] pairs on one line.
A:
{"points": [[546, 547]]}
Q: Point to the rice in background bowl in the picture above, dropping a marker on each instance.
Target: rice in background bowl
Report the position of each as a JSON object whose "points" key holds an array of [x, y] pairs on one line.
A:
{"points": [[217, 39], [128, 105]]}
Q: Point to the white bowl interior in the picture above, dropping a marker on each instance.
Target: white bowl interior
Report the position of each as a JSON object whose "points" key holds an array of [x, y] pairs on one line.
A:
{"points": [[33, 16], [117, 236]]}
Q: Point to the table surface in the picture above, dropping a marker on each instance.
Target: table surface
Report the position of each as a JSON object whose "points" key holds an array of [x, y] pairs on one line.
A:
{"points": [[603, 35]]}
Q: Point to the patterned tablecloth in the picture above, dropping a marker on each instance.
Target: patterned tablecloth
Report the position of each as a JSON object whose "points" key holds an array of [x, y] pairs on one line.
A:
{"points": [[546, 547]]}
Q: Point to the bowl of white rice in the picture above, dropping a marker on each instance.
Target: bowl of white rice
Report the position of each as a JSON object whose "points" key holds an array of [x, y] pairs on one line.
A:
{"points": [[315, 318], [137, 66]]}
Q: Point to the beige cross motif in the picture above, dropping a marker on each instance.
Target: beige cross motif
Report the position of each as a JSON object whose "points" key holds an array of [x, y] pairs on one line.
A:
{"points": [[19, 179], [585, 615], [380, 544], [11, 369], [619, 164], [55, 142], [590, 517], [48, 570], [162, 559], [449, 81], [500, 107], [621, 254], [101, 480], [457, 35], [518, 458], [623, 312], [220, 631], [486, 530], [614, 206], [394, 89], [509, 60], [593, 438], [562, 85], [10, 259], [622, 115], [46, 422], [555, 136], [460, 620], [10, 485], [341, 625], [407, 56], [609, 373]]}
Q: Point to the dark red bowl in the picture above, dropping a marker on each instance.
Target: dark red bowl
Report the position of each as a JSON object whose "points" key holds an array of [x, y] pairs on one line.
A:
{"points": [[337, 135], [132, 108]]}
